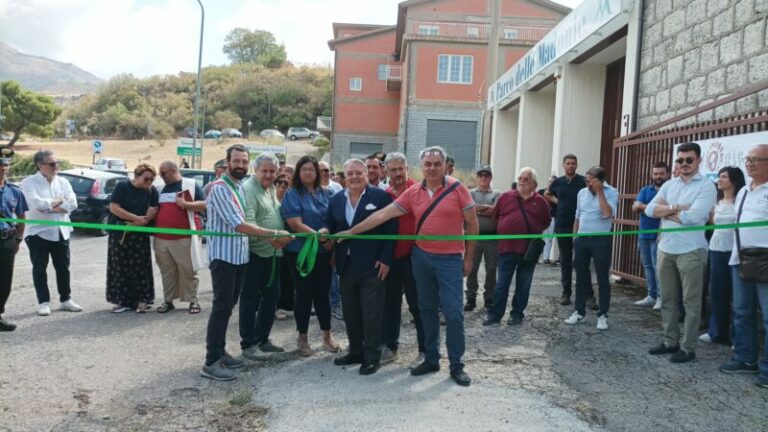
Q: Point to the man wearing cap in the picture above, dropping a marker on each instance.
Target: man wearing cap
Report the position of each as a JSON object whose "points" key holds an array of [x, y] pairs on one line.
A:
{"points": [[219, 167], [485, 198], [12, 206]]}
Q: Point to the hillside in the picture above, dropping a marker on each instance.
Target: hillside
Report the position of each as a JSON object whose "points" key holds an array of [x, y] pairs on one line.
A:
{"points": [[45, 75]]}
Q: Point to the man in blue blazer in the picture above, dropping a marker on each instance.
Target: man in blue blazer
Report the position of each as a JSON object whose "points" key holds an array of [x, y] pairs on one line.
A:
{"points": [[362, 266]]}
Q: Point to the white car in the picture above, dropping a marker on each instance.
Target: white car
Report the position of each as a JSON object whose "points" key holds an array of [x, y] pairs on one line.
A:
{"points": [[272, 135], [295, 133], [110, 164]]}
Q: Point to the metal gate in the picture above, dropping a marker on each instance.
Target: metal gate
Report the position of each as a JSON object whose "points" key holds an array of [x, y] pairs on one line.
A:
{"points": [[634, 155], [458, 138]]}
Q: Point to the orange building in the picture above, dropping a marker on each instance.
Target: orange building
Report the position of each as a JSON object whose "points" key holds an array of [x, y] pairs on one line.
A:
{"points": [[424, 81]]}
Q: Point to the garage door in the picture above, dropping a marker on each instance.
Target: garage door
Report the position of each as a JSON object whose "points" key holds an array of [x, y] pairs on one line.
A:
{"points": [[458, 138], [361, 150]]}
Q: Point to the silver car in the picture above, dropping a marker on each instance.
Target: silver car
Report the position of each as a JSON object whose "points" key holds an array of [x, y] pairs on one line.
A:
{"points": [[295, 133]]}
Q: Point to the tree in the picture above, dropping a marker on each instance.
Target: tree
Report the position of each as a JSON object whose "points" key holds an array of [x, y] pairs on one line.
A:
{"points": [[254, 46], [28, 111]]}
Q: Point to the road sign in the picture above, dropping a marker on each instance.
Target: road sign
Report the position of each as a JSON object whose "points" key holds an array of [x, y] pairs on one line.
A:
{"points": [[184, 148], [97, 147]]}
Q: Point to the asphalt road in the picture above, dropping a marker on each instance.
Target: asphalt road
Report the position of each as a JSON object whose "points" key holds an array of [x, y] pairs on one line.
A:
{"points": [[95, 371]]}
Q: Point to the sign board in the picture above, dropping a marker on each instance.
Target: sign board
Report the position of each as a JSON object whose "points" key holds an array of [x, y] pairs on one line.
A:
{"points": [[97, 147], [256, 149], [69, 128], [580, 24], [718, 153], [184, 148]]}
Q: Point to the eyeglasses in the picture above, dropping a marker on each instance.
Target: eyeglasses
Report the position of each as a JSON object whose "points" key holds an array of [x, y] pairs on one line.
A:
{"points": [[146, 179], [325, 171], [754, 160], [483, 174], [687, 161], [281, 182], [53, 164]]}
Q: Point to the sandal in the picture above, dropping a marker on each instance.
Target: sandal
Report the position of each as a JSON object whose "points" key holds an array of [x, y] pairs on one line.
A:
{"points": [[194, 308], [331, 345], [166, 307], [141, 308]]}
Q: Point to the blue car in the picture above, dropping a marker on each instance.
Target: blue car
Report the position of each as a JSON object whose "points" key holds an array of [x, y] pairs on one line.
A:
{"points": [[213, 133]]}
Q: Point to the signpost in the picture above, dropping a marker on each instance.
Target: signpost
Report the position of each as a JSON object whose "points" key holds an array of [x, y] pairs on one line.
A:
{"points": [[256, 149], [185, 147], [97, 147]]}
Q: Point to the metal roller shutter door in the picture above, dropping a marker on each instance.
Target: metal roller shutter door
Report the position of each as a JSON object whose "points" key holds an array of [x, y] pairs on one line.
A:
{"points": [[458, 138]]}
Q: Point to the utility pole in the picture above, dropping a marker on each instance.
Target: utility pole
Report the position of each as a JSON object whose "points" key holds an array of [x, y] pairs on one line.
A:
{"points": [[491, 74], [197, 91]]}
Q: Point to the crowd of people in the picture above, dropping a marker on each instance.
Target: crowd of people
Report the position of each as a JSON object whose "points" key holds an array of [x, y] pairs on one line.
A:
{"points": [[256, 262]]}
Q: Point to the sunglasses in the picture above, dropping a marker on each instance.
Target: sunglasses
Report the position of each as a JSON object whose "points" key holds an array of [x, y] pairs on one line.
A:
{"points": [[483, 174], [687, 161], [282, 182], [146, 179], [53, 164], [325, 171]]}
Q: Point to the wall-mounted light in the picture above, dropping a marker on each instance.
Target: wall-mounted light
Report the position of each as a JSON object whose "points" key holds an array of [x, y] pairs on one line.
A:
{"points": [[558, 72]]}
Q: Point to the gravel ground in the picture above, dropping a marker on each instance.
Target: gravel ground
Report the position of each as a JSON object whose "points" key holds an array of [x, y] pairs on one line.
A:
{"points": [[96, 371]]}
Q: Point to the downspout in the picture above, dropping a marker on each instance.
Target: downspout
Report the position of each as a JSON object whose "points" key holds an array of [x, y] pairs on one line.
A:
{"points": [[636, 105]]}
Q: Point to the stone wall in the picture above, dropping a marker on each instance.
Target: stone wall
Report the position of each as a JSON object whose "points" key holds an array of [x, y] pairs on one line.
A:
{"points": [[341, 145], [697, 51]]}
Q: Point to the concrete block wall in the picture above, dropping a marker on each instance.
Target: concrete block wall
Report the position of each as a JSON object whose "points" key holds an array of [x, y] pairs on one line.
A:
{"points": [[698, 51], [416, 133], [341, 145]]}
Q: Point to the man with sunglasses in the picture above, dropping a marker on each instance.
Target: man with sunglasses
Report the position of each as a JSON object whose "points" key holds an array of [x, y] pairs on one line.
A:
{"points": [[685, 201], [51, 198], [485, 198], [325, 178]]}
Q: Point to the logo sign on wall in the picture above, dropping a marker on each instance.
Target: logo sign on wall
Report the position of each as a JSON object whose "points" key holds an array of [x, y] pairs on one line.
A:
{"points": [[718, 153]]}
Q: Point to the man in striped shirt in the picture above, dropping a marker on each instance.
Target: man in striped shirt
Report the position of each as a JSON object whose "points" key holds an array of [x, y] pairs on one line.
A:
{"points": [[228, 257]]}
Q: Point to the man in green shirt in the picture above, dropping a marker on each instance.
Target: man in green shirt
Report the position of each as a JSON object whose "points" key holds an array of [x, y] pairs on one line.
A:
{"points": [[262, 287]]}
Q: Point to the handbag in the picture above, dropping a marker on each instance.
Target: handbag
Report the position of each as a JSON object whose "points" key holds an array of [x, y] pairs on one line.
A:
{"points": [[535, 246], [753, 261]]}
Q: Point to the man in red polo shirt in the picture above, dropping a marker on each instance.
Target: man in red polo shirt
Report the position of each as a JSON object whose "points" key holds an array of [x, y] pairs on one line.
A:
{"points": [[438, 266], [400, 279]]}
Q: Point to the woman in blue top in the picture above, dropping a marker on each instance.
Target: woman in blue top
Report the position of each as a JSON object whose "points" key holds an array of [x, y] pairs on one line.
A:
{"points": [[304, 209]]}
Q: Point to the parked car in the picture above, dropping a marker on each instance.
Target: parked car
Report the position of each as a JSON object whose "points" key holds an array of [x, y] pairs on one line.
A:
{"points": [[110, 164], [93, 189], [272, 134], [295, 133], [213, 133], [231, 132]]}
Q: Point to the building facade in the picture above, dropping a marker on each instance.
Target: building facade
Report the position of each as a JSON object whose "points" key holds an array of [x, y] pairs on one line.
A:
{"points": [[436, 63]]}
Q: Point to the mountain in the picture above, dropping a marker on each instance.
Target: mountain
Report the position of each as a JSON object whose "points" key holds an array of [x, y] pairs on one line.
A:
{"points": [[45, 75]]}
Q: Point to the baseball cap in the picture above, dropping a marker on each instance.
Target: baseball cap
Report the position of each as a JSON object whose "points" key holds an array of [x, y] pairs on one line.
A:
{"points": [[220, 163], [484, 168], [6, 156]]}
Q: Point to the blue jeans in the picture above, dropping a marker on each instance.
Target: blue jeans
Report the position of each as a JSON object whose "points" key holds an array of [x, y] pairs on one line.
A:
{"points": [[440, 283], [508, 263], [746, 298], [720, 293], [648, 252]]}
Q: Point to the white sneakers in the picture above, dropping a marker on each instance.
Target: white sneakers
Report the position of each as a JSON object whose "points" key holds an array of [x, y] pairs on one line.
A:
{"points": [[648, 301], [419, 360], [45, 308], [657, 306], [705, 338], [602, 322], [575, 318], [71, 306], [387, 355]]}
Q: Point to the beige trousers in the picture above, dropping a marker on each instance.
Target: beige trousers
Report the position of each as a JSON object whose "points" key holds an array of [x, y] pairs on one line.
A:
{"points": [[174, 257], [684, 272]]}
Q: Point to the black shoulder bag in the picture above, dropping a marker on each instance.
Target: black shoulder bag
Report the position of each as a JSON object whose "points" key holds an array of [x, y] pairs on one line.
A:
{"points": [[434, 204], [535, 246], [754, 261]]}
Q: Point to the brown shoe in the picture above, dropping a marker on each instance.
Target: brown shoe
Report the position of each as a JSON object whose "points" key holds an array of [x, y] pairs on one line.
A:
{"points": [[565, 300]]}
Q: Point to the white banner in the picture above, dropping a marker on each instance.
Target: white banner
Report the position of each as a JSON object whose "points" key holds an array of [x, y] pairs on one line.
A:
{"points": [[718, 153]]}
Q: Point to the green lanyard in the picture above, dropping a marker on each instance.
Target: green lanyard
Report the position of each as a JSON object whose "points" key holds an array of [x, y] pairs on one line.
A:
{"points": [[235, 190]]}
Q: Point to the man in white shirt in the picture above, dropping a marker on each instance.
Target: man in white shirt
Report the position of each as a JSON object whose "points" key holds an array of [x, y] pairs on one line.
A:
{"points": [[49, 197], [325, 178], [683, 201], [749, 293]]}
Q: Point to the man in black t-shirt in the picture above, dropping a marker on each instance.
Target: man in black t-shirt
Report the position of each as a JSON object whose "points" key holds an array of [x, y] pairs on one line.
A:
{"points": [[563, 193]]}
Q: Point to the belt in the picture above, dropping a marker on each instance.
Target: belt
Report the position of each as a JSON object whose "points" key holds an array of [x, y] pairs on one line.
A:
{"points": [[8, 234]]}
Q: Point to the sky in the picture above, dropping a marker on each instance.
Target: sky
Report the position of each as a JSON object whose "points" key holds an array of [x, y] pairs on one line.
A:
{"points": [[151, 37]]}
